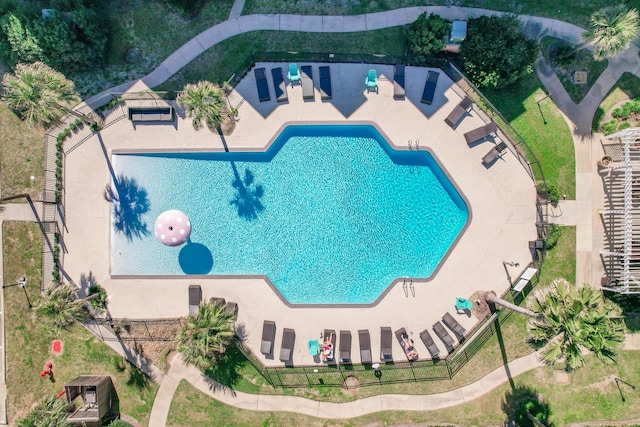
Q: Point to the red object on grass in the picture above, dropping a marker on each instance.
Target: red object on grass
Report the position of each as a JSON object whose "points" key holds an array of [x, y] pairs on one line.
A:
{"points": [[43, 373], [59, 395], [49, 365], [56, 346]]}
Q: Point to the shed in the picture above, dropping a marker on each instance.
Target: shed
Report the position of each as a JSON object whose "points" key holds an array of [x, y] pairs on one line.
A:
{"points": [[95, 393], [458, 32]]}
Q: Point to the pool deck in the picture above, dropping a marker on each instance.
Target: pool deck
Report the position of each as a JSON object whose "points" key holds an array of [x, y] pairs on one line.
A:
{"points": [[501, 198]]}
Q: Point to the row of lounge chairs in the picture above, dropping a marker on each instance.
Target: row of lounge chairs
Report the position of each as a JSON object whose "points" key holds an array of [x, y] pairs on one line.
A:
{"points": [[326, 349], [195, 298], [304, 76]]}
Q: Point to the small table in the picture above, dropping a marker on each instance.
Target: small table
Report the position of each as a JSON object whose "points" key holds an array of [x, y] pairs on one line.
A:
{"points": [[524, 279]]}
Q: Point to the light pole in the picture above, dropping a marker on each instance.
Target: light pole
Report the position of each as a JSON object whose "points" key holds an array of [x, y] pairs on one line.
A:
{"points": [[22, 281], [540, 108]]}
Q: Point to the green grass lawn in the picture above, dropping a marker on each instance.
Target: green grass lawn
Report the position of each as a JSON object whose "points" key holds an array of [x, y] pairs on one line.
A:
{"points": [[590, 395], [28, 343], [544, 129]]}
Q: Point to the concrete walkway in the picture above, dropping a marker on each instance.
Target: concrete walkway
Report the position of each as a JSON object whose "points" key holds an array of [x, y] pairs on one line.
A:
{"points": [[389, 402], [579, 213]]}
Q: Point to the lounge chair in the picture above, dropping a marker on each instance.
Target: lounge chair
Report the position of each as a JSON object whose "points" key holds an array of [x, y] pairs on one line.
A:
{"points": [[195, 296], [262, 84], [385, 343], [456, 114], [494, 153], [407, 344], [430, 87], [434, 351], [345, 347], [372, 80], [218, 300], [286, 348], [325, 82], [463, 304], [444, 336], [453, 324], [293, 75], [268, 337], [232, 307], [279, 86], [365, 346], [480, 133], [307, 82], [329, 335], [398, 82]]}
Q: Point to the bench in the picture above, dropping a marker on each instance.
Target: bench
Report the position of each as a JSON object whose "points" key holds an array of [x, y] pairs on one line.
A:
{"points": [[151, 114]]}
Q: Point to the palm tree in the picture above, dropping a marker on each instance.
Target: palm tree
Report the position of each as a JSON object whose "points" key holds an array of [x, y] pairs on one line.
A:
{"points": [[204, 338], [205, 103], [38, 93], [611, 30], [61, 306], [49, 412], [566, 318]]}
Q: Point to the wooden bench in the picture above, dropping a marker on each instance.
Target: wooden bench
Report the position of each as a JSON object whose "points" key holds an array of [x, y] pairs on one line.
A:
{"points": [[151, 114]]}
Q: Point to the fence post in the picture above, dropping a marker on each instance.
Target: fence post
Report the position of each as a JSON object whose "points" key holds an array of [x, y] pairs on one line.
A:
{"points": [[306, 376]]}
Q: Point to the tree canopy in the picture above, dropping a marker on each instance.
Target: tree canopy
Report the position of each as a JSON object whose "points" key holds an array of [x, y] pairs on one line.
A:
{"points": [[611, 30], [495, 52], [38, 93], [205, 103], [68, 40], [571, 317], [204, 338], [427, 35]]}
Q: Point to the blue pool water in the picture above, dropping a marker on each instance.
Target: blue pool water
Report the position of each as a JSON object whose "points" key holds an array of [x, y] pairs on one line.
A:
{"points": [[330, 214]]}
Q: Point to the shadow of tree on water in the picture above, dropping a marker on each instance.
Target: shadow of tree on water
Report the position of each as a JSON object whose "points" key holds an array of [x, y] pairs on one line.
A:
{"points": [[130, 202], [248, 194], [524, 407]]}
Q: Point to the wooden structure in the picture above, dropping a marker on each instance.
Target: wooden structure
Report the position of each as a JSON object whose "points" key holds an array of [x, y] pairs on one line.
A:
{"points": [[95, 393]]}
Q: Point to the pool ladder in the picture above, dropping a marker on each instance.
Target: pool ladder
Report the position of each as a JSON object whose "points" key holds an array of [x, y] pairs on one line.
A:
{"points": [[414, 168], [407, 285]]}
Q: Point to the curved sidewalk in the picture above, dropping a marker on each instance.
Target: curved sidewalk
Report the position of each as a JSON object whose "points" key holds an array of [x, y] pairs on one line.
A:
{"points": [[578, 114], [388, 402]]}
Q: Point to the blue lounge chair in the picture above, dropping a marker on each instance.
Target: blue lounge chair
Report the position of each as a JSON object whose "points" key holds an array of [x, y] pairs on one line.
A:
{"points": [[325, 82], [372, 80], [293, 75], [262, 84], [463, 304], [279, 86], [430, 87], [398, 82]]}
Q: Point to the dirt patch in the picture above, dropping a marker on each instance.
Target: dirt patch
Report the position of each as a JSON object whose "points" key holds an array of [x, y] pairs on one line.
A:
{"points": [[561, 377]]}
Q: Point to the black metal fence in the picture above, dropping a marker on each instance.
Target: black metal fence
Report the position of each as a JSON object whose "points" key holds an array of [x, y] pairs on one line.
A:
{"points": [[344, 375]]}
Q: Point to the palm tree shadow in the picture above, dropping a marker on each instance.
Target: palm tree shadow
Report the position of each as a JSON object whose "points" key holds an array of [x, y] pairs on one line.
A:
{"points": [[130, 203], [248, 194], [503, 350], [523, 404], [225, 374]]}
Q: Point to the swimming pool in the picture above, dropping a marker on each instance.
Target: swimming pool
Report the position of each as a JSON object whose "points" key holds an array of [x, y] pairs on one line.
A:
{"points": [[329, 213]]}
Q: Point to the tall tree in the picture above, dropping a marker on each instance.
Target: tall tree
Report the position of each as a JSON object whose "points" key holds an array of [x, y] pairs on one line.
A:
{"points": [[60, 306], [38, 93], [205, 103], [495, 52], [427, 35], [566, 318], [611, 30], [204, 338], [22, 44]]}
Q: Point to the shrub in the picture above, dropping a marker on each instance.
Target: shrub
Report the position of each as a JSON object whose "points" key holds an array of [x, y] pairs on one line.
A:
{"points": [[564, 55], [495, 52], [622, 112], [99, 303], [554, 235], [624, 125], [610, 127], [550, 189], [427, 35], [188, 8]]}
